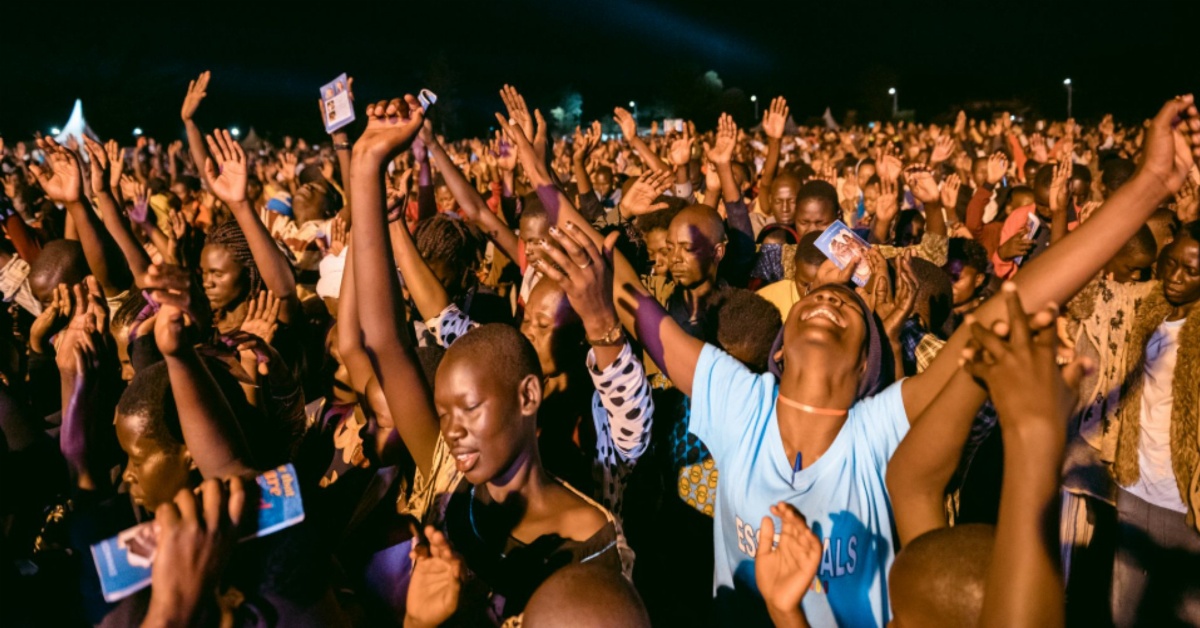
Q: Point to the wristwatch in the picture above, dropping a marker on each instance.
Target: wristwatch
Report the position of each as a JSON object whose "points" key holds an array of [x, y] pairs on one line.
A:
{"points": [[611, 338]]}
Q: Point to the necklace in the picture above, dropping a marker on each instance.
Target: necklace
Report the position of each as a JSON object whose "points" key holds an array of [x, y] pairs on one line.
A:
{"points": [[834, 412]]}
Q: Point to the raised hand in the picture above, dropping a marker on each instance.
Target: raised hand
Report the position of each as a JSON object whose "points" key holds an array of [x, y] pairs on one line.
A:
{"points": [[196, 535], [585, 142], [785, 571], [527, 152], [196, 92], [888, 166], [1172, 144], [924, 188], [60, 178], [98, 162], [997, 167], [585, 274], [391, 128], [262, 316], [721, 151], [1037, 142], [1059, 196], [53, 318], [775, 118], [943, 148], [1187, 202], [642, 194], [116, 164], [950, 189], [518, 112], [227, 176], [895, 307], [170, 287], [681, 148], [888, 205], [625, 120], [436, 581]]}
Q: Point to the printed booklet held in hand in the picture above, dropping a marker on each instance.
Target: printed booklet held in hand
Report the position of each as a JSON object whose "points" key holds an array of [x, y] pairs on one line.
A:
{"points": [[124, 561], [336, 109], [840, 244]]}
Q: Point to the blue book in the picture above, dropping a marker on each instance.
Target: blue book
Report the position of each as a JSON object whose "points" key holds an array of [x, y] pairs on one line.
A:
{"points": [[124, 561], [337, 110]]}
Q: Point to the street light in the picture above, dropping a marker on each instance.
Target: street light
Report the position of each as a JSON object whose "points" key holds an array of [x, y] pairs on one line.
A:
{"points": [[1070, 90], [234, 131], [55, 130], [633, 106], [895, 101], [137, 131], [754, 99]]}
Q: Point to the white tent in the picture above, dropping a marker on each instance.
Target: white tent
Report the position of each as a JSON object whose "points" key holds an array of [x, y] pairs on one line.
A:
{"points": [[76, 127]]}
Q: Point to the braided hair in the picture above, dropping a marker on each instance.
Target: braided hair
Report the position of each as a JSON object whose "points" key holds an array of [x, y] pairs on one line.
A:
{"points": [[229, 235], [451, 240]]}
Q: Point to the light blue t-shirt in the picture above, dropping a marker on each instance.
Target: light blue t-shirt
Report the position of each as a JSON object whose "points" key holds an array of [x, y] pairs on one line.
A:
{"points": [[842, 494]]}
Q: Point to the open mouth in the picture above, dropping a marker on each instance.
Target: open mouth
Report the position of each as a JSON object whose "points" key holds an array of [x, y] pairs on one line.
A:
{"points": [[466, 461], [826, 313]]}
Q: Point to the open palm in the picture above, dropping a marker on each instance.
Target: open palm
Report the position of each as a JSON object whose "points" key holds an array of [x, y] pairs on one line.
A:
{"points": [[230, 183], [785, 571]]}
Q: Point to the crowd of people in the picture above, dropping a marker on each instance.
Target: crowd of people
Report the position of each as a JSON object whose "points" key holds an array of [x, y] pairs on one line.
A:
{"points": [[619, 381]]}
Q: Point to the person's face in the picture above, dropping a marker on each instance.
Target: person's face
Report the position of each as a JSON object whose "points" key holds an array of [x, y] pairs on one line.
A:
{"points": [[602, 182], [966, 284], [1179, 271], [660, 251], [813, 214], [865, 172], [254, 189], [1131, 267], [1031, 168], [826, 321], [806, 274], [783, 202], [534, 231], [547, 314], [486, 424], [1080, 190], [694, 257], [444, 199], [154, 474], [979, 173], [310, 199], [225, 280], [180, 190]]}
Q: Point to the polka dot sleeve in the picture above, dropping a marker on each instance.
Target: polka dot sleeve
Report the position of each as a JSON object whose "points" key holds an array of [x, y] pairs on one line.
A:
{"points": [[450, 325]]}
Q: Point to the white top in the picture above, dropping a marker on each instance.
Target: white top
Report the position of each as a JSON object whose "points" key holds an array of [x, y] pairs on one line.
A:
{"points": [[1156, 479]]}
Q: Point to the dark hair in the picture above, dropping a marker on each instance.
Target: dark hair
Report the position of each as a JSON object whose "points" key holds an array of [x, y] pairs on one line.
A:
{"points": [[659, 220], [149, 395], [190, 182], [1143, 242], [788, 233], [935, 295], [1115, 172], [743, 324], [964, 252], [1045, 176], [807, 251], [61, 261], [127, 314], [532, 208], [507, 351], [1080, 173], [440, 237], [818, 189], [229, 235]]}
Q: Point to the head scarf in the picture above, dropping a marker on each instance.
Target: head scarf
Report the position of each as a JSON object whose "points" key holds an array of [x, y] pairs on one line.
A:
{"points": [[880, 361]]}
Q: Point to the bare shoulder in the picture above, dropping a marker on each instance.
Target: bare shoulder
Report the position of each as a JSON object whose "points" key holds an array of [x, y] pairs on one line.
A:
{"points": [[580, 519]]}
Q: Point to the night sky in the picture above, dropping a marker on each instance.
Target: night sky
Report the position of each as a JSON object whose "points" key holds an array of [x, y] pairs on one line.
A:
{"points": [[131, 65]]}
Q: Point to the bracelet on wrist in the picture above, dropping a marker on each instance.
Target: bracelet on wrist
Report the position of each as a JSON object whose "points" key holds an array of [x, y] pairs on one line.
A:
{"points": [[611, 338], [341, 146]]}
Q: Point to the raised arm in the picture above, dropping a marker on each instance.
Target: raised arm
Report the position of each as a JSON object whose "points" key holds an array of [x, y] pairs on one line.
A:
{"points": [[641, 315], [629, 129], [773, 124], [212, 433], [472, 204], [423, 286], [113, 215], [225, 173], [391, 127], [1058, 273], [197, 90], [62, 181]]}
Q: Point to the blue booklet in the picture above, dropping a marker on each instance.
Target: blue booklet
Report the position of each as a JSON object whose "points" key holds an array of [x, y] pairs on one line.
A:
{"points": [[124, 561], [336, 108], [840, 244]]}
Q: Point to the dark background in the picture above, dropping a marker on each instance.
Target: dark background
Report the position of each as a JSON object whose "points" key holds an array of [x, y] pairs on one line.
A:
{"points": [[130, 63]]}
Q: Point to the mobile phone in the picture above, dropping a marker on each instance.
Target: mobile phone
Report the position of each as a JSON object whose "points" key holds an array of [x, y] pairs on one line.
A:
{"points": [[427, 98]]}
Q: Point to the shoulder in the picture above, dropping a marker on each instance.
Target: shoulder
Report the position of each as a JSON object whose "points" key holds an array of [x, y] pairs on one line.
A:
{"points": [[581, 517]]}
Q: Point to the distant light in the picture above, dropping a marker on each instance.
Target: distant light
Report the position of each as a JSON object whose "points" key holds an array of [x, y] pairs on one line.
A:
{"points": [[137, 131], [1066, 81], [1012, 117], [891, 91], [234, 131], [55, 130], [632, 104], [753, 98]]}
